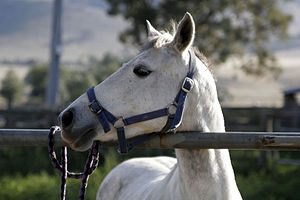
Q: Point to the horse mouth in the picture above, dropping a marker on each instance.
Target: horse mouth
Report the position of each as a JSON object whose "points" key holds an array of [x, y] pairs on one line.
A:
{"points": [[84, 141]]}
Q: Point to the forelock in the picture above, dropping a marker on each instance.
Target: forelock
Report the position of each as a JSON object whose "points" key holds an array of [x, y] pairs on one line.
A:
{"points": [[161, 40]]}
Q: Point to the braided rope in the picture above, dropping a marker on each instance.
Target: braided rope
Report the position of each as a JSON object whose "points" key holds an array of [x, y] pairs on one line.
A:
{"points": [[90, 165]]}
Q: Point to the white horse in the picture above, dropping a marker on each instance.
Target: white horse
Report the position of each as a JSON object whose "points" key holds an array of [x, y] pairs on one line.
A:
{"points": [[148, 82]]}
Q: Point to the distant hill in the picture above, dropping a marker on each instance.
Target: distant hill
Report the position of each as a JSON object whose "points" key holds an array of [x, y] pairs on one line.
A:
{"points": [[87, 30]]}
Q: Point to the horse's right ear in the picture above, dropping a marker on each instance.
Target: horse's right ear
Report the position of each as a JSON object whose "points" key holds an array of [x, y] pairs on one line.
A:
{"points": [[151, 31], [184, 37]]}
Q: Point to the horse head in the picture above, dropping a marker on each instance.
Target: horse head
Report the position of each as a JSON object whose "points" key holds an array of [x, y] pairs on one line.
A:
{"points": [[150, 81]]}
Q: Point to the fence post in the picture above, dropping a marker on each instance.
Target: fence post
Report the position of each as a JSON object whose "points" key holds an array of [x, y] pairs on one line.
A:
{"points": [[265, 156], [56, 51]]}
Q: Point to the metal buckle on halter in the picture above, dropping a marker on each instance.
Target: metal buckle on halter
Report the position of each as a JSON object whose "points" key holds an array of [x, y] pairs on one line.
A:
{"points": [[187, 84], [172, 108], [119, 123], [95, 107]]}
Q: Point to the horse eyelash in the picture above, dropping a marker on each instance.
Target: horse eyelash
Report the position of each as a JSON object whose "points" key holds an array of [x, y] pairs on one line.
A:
{"points": [[141, 71]]}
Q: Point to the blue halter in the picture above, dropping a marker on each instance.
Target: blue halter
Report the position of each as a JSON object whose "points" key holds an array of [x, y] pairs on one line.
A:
{"points": [[174, 119]]}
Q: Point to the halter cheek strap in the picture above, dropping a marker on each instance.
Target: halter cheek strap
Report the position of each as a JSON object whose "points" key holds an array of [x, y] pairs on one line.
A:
{"points": [[174, 118], [103, 115]]}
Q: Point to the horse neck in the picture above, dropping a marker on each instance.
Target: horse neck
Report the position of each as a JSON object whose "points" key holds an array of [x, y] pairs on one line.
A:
{"points": [[206, 174], [204, 170]]}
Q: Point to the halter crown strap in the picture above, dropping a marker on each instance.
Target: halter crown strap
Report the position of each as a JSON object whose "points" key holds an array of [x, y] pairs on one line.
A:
{"points": [[174, 119], [187, 86]]}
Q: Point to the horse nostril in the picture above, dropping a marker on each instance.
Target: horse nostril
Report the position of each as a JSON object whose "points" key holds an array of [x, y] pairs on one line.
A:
{"points": [[67, 118]]}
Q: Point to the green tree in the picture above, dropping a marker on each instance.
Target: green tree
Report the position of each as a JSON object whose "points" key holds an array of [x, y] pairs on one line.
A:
{"points": [[104, 67], [37, 79], [11, 88], [75, 83], [223, 27]]}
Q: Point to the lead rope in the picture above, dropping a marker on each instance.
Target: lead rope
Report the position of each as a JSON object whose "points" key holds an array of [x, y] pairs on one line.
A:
{"points": [[90, 165]]}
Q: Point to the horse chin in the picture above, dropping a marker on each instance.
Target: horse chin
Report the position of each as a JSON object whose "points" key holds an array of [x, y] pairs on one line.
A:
{"points": [[85, 141]]}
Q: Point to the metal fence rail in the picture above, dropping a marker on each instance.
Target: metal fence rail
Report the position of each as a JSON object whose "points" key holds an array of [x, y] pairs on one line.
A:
{"points": [[28, 137], [189, 140]]}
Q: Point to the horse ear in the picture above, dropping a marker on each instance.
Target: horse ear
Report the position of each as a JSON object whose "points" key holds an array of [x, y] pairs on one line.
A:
{"points": [[151, 31], [185, 34]]}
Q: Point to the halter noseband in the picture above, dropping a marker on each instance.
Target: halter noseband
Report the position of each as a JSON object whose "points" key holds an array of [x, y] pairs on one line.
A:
{"points": [[174, 118]]}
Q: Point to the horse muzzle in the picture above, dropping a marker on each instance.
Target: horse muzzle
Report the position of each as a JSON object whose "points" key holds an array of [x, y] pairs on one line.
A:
{"points": [[78, 133]]}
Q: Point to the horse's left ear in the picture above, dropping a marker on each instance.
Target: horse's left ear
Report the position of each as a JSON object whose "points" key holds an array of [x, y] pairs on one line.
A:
{"points": [[151, 31], [184, 36]]}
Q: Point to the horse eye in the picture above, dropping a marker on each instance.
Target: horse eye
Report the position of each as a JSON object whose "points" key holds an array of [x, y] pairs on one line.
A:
{"points": [[141, 71]]}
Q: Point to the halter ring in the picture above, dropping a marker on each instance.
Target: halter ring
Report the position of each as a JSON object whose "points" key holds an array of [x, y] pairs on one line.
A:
{"points": [[119, 123], [172, 111]]}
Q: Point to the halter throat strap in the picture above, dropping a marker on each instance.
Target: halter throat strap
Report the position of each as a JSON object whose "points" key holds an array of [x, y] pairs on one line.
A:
{"points": [[108, 120]]}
